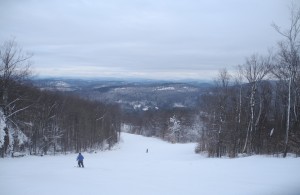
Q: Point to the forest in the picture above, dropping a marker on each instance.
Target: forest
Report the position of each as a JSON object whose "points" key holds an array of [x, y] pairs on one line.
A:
{"points": [[257, 110], [39, 122]]}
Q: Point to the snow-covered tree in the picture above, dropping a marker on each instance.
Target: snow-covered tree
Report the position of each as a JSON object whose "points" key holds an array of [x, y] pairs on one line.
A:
{"points": [[174, 129], [14, 67], [2, 128]]}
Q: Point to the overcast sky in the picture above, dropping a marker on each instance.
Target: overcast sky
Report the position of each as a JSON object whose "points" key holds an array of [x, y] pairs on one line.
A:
{"points": [[157, 39]]}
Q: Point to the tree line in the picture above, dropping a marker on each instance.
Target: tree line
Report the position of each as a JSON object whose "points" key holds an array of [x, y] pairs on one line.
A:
{"points": [[40, 122], [258, 110]]}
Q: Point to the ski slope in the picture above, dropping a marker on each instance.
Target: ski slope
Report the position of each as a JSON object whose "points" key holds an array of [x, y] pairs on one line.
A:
{"points": [[167, 169]]}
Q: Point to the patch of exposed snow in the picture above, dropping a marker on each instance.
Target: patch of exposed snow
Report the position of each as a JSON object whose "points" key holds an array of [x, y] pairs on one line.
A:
{"points": [[178, 105], [60, 84], [165, 88], [137, 106]]}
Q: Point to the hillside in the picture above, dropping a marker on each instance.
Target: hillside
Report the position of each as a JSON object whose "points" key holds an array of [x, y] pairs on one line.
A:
{"points": [[131, 95], [166, 169]]}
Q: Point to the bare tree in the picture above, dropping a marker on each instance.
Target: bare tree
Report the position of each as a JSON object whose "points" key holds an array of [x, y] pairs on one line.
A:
{"points": [[14, 66], [254, 71], [222, 90], [288, 62]]}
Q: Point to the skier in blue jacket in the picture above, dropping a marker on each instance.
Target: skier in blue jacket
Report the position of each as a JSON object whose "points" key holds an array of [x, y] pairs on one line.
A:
{"points": [[80, 160]]}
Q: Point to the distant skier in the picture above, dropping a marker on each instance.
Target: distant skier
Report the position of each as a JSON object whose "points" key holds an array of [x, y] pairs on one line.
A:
{"points": [[80, 160]]}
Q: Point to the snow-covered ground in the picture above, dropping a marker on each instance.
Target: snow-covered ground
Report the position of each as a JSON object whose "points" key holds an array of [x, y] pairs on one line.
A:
{"points": [[166, 169]]}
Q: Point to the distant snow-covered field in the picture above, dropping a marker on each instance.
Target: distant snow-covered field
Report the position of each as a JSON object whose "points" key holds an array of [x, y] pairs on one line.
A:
{"points": [[165, 169]]}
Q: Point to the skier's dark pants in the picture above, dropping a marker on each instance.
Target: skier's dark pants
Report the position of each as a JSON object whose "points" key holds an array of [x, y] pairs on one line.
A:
{"points": [[80, 163]]}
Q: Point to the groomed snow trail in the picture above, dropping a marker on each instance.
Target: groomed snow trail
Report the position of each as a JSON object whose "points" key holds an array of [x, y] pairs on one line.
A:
{"points": [[166, 169]]}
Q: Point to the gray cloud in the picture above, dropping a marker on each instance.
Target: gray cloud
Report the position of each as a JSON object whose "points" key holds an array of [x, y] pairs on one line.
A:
{"points": [[149, 38]]}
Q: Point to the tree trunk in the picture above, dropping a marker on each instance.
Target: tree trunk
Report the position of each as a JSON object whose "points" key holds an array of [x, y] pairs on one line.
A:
{"points": [[248, 141], [287, 120]]}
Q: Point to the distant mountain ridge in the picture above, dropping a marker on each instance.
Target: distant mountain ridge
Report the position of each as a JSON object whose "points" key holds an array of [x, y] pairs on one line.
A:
{"points": [[131, 95]]}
